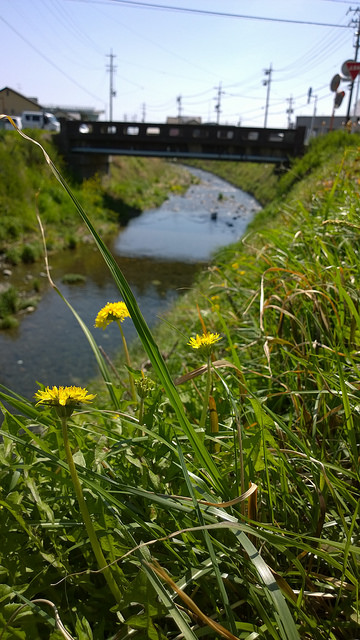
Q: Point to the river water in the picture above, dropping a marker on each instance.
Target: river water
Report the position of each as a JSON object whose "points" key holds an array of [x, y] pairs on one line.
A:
{"points": [[159, 252]]}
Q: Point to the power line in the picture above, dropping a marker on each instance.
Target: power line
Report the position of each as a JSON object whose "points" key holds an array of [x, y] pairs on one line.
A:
{"points": [[222, 14], [44, 57], [54, 7], [317, 50]]}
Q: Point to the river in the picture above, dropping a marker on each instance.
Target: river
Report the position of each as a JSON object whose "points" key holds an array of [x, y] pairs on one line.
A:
{"points": [[159, 252]]}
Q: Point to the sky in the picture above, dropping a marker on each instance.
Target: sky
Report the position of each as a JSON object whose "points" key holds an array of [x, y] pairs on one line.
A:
{"points": [[181, 57]]}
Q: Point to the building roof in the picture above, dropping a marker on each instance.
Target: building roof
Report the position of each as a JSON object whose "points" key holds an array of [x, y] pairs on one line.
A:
{"points": [[75, 113], [33, 100]]}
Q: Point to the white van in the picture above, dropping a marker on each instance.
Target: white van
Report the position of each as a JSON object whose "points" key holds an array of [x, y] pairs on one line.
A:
{"points": [[40, 120], [6, 124]]}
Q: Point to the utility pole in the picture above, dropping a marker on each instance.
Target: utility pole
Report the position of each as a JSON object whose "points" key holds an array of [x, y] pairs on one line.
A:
{"points": [[356, 23], [267, 83], [143, 112], [178, 100], [218, 103], [290, 110], [310, 95], [111, 68]]}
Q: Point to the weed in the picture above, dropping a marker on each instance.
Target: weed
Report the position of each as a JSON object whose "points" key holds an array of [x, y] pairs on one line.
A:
{"points": [[29, 254], [8, 322], [73, 278], [9, 300], [13, 255]]}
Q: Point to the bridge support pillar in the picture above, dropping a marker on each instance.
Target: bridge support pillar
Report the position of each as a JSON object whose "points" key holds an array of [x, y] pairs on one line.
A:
{"points": [[86, 165]]}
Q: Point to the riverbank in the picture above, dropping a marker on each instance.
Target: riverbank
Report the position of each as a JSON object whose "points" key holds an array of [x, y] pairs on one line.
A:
{"points": [[159, 252], [224, 492], [28, 185]]}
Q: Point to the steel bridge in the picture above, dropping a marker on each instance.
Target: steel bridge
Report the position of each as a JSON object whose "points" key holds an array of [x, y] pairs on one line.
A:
{"points": [[88, 145]]}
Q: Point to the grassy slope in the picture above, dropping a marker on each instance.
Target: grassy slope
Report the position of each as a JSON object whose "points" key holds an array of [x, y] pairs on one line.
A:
{"points": [[284, 196], [285, 299]]}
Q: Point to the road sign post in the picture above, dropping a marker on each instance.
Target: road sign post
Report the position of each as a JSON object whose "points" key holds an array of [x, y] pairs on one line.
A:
{"points": [[351, 69]]}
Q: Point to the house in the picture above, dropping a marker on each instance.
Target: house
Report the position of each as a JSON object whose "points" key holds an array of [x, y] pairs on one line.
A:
{"points": [[183, 120], [13, 103]]}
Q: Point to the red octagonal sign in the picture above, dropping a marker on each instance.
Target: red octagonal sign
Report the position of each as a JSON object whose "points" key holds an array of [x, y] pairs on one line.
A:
{"points": [[353, 68]]}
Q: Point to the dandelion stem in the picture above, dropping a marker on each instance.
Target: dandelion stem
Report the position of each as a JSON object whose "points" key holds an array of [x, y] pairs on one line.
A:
{"points": [[103, 565], [214, 423], [242, 473], [141, 411], [128, 362], [207, 394]]}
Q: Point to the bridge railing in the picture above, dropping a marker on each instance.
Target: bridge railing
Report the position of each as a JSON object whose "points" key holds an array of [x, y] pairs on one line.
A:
{"points": [[210, 141], [219, 134]]}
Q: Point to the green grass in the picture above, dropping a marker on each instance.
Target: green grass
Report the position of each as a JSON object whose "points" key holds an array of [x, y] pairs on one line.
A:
{"points": [[133, 185], [191, 559]]}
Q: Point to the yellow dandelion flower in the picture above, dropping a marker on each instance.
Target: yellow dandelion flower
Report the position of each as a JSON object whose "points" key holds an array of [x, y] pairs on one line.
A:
{"points": [[206, 340], [63, 396], [235, 265], [112, 311]]}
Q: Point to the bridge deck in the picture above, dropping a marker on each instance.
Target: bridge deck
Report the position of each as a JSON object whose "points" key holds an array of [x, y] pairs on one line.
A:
{"points": [[181, 141]]}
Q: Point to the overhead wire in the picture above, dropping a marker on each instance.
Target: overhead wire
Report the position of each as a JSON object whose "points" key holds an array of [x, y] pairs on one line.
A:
{"points": [[309, 60], [207, 12], [146, 38], [320, 48], [48, 60], [317, 49], [60, 15]]}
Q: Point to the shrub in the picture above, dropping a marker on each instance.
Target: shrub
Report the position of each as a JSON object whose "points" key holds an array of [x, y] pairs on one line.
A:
{"points": [[29, 253], [9, 322], [12, 255], [9, 301], [73, 278]]}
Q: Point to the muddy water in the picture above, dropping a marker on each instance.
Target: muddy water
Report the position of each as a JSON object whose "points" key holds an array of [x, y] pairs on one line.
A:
{"points": [[159, 253]]}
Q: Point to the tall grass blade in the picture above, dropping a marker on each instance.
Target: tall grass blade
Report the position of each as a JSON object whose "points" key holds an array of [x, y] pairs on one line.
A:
{"points": [[144, 334]]}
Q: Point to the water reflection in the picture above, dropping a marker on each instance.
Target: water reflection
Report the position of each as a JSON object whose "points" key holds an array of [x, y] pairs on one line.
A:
{"points": [[49, 345], [159, 254]]}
